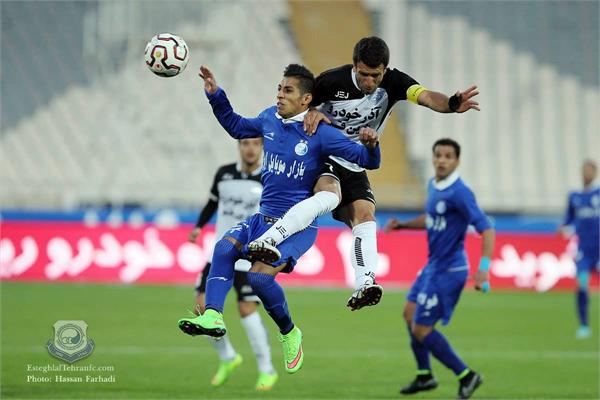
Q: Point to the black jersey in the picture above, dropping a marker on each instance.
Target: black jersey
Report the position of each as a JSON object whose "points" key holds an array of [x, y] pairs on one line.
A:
{"points": [[337, 95], [237, 193]]}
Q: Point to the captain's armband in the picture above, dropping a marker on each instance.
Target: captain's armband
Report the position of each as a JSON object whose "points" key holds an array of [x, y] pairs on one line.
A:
{"points": [[413, 92]]}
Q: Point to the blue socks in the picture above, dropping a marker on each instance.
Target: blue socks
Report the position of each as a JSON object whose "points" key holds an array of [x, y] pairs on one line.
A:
{"points": [[220, 277], [273, 299], [582, 307], [441, 349], [220, 280], [420, 352]]}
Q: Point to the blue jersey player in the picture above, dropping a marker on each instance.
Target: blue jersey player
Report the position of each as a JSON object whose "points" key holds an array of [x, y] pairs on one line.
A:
{"points": [[292, 162], [583, 212], [449, 210]]}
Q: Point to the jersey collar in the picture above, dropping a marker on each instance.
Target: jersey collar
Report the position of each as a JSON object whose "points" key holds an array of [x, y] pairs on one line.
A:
{"points": [[295, 118], [353, 74], [446, 182], [238, 167]]}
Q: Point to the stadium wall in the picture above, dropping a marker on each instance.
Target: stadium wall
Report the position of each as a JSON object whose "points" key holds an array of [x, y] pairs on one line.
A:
{"points": [[53, 247]]}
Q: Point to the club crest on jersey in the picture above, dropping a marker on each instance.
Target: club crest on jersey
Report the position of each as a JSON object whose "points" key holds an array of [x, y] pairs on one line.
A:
{"points": [[440, 207], [301, 148]]}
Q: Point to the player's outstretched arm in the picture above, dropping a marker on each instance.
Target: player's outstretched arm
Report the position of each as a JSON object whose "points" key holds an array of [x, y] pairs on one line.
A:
{"points": [[210, 83], [459, 102], [395, 224], [237, 126]]}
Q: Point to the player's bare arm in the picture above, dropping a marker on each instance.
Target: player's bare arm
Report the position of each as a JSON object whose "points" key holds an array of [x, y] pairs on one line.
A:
{"points": [[395, 224], [458, 103], [488, 239], [194, 235], [210, 84], [312, 119]]}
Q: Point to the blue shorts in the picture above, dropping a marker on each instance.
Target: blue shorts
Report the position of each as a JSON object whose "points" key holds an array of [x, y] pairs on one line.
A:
{"points": [[436, 293], [291, 249], [586, 259]]}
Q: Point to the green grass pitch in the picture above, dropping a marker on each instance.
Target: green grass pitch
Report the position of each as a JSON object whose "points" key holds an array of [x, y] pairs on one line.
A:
{"points": [[522, 342]]}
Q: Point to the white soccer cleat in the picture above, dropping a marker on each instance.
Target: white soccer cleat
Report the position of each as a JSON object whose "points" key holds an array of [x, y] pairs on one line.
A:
{"points": [[263, 250]]}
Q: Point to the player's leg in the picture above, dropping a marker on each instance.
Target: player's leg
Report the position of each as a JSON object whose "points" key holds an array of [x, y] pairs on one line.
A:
{"points": [[229, 360], [255, 330], [327, 197], [363, 252], [424, 379], [584, 265], [262, 278], [220, 280], [435, 302], [440, 347]]}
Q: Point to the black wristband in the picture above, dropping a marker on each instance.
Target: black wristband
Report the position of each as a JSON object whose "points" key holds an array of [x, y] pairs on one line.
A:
{"points": [[453, 103]]}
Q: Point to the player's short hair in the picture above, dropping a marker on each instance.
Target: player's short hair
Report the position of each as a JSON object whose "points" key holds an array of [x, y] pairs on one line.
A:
{"points": [[447, 142], [372, 51], [262, 139], [304, 76]]}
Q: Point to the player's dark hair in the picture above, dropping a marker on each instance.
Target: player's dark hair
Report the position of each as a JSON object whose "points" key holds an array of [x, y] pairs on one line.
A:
{"points": [[447, 142], [305, 78], [262, 139], [371, 51]]}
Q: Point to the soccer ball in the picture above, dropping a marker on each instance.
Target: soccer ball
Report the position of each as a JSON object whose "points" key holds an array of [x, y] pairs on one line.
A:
{"points": [[166, 55]]}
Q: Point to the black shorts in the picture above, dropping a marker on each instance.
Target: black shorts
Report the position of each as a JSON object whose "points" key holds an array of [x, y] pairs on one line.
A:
{"points": [[240, 283], [355, 185]]}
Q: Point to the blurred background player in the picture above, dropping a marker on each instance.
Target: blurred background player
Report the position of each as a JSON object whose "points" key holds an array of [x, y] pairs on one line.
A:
{"points": [[292, 162], [235, 193], [355, 97], [449, 210], [583, 212]]}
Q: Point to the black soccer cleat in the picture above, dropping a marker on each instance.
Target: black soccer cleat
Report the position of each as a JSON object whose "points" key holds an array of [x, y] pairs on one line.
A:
{"points": [[469, 384], [421, 383], [367, 295], [195, 330]]}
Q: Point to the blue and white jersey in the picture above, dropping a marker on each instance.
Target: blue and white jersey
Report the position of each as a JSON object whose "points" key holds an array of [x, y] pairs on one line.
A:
{"points": [[292, 160], [583, 212], [451, 207]]}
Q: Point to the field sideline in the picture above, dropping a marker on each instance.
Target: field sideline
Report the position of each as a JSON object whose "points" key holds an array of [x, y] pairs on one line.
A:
{"points": [[522, 342]]}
